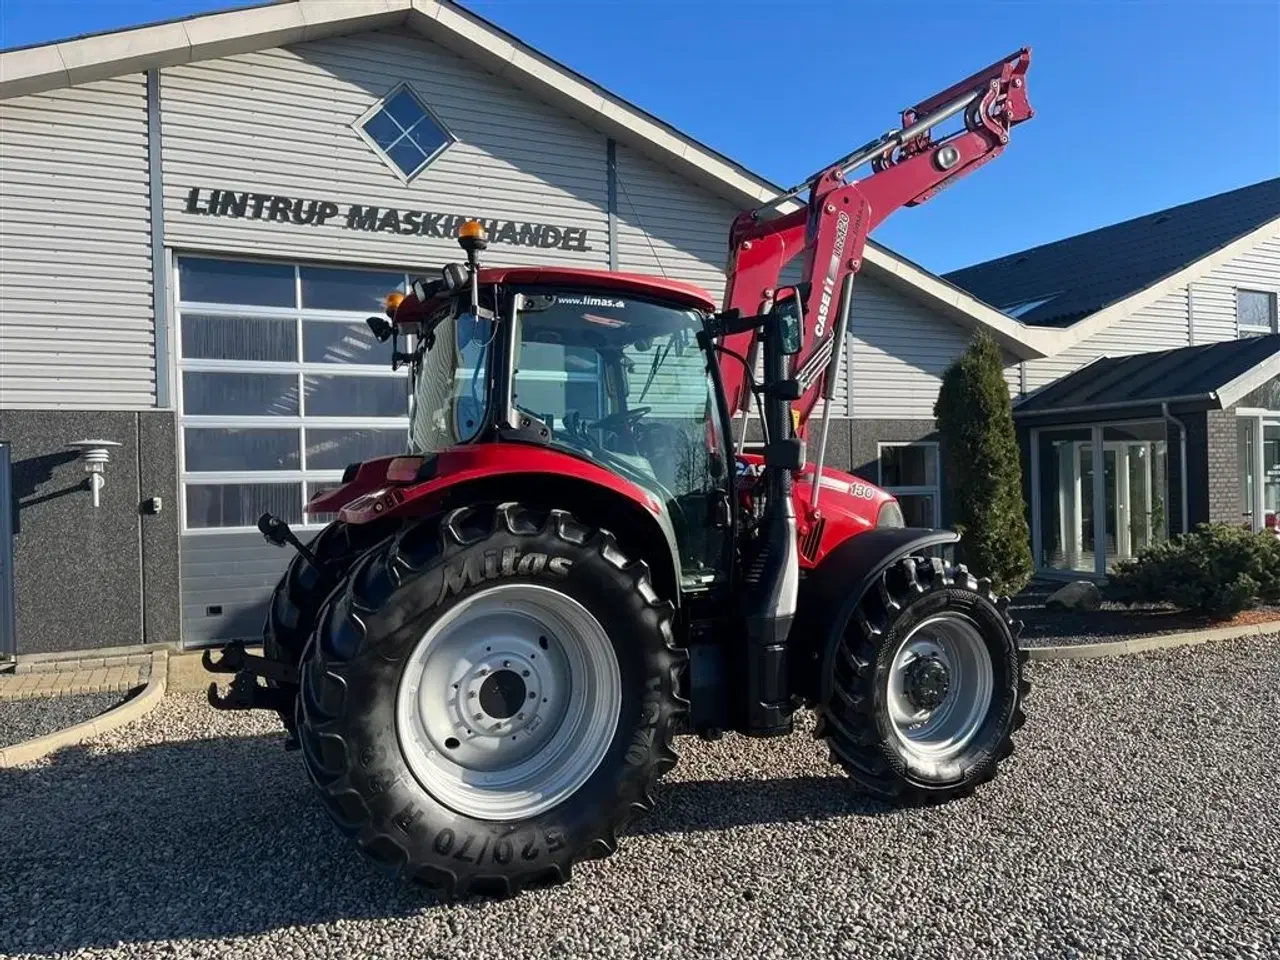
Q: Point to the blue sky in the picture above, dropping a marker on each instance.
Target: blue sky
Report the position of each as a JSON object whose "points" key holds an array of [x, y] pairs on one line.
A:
{"points": [[1140, 105]]}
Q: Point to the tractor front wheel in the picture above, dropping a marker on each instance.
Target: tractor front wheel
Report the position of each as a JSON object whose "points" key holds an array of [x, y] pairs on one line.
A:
{"points": [[490, 698], [923, 692]]}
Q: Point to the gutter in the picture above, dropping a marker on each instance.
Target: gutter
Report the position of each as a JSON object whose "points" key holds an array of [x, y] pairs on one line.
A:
{"points": [[1118, 405]]}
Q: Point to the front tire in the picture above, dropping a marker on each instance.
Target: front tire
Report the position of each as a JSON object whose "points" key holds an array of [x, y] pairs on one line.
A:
{"points": [[921, 695], [490, 698]]}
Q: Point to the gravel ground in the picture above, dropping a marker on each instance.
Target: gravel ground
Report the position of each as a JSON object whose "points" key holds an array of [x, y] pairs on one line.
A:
{"points": [[1113, 621], [32, 717], [1139, 819]]}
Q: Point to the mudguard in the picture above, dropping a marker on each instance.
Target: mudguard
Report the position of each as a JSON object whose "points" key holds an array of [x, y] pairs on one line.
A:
{"points": [[831, 592], [418, 485]]}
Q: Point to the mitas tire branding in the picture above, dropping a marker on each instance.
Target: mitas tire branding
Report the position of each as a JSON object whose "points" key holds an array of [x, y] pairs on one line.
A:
{"points": [[368, 218]]}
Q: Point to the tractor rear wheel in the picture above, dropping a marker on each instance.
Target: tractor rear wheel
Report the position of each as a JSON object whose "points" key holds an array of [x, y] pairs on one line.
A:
{"points": [[298, 597], [922, 694], [490, 698]]}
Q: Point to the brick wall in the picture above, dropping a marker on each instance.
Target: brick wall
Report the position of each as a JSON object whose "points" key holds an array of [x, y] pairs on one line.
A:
{"points": [[1223, 468]]}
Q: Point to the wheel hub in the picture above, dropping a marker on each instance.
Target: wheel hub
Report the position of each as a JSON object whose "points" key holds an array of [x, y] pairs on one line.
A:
{"points": [[926, 682], [502, 694]]}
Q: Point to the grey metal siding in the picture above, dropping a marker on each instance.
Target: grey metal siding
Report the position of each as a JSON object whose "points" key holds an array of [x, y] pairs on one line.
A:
{"points": [[1162, 325], [670, 227], [226, 580], [900, 350], [76, 320], [1215, 293], [279, 122], [1168, 323]]}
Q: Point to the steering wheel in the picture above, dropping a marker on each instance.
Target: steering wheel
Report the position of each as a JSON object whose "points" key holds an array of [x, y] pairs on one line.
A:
{"points": [[617, 422]]}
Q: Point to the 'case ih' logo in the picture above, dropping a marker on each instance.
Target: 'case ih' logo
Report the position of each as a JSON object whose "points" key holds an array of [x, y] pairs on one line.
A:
{"points": [[833, 270]]}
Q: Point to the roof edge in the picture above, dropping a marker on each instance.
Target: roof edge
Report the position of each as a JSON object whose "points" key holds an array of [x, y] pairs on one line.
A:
{"points": [[1118, 310], [1229, 394]]}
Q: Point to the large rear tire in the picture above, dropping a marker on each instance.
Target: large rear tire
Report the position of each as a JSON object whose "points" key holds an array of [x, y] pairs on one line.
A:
{"points": [[301, 592], [490, 698], [921, 695]]}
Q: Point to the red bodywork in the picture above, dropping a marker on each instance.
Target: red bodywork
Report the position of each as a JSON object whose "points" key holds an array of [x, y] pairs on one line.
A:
{"points": [[849, 506], [389, 487]]}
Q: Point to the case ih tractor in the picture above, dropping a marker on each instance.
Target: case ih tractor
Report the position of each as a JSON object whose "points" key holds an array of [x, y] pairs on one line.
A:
{"points": [[486, 657]]}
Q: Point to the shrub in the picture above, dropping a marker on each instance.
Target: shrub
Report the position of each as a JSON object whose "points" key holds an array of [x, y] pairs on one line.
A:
{"points": [[1217, 569], [975, 418]]}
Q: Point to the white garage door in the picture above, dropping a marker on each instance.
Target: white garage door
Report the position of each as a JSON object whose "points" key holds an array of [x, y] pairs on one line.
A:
{"points": [[280, 386]]}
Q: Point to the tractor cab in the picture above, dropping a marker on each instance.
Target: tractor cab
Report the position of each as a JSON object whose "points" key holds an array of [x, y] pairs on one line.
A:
{"points": [[604, 367]]}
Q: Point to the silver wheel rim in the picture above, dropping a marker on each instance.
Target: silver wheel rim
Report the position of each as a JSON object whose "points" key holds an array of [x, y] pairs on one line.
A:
{"points": [[509, 702], [934, 720]]}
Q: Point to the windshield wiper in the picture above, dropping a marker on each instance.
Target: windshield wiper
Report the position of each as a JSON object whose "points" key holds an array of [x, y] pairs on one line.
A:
{"points": [[658, 359]]}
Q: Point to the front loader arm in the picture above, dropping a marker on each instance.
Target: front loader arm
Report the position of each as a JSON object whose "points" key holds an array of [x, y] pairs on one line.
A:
{"points": [[830, 231]]}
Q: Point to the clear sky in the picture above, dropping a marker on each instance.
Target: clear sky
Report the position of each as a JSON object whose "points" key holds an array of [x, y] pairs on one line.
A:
{"points": [[1140, 105]]}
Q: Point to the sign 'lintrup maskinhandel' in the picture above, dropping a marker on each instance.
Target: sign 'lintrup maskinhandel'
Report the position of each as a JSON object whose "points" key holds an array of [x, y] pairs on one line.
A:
{"points": [[375, 219]]}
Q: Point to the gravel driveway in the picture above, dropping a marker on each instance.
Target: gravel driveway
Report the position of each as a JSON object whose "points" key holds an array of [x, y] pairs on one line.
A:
{"points": [[1140, 818]]}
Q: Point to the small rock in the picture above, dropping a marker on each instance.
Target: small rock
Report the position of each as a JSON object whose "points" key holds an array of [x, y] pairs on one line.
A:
{"points": [[1081, 595]]}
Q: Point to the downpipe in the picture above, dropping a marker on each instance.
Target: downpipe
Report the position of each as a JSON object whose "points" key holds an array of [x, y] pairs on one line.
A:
{"points": [[1182, 460], [772, 578]]}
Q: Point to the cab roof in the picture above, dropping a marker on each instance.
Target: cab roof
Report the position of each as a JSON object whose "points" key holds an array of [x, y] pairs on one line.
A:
{"points": [[659, 288]]}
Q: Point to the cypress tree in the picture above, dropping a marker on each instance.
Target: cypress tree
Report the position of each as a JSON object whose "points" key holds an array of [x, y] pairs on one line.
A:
{"points": [[975, 418]]}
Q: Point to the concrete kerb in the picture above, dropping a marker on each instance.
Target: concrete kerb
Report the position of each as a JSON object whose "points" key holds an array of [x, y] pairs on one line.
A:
{"points": [[117, 717], [1167, 641]]}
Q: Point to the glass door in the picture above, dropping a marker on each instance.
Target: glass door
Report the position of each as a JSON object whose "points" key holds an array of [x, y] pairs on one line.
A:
{"points": [[1100, 495]]}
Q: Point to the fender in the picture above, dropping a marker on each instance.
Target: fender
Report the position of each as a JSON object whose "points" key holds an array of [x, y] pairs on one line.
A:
{"points": [[415, 486], [832, 591]]}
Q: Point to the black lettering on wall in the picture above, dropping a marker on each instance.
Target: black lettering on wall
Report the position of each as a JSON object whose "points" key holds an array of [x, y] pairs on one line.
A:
{"points": [[303, 211]]}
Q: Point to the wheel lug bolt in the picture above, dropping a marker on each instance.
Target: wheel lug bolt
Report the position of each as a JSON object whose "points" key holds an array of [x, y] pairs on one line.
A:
{"points": [[524, 673], [506, 663], [479, 716], [471, 695], [533, 696], [520, 716]]}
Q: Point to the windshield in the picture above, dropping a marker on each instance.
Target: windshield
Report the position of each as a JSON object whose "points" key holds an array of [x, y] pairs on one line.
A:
{"points": [[451, 389], [622, 381]]}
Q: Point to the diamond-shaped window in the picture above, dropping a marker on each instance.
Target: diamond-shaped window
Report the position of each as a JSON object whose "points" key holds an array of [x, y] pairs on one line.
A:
{"points": [[404, 132]]}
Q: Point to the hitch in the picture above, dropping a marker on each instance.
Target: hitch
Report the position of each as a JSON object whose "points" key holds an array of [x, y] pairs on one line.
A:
{"points": [[277, 532], [235, 659], [246, 693]]}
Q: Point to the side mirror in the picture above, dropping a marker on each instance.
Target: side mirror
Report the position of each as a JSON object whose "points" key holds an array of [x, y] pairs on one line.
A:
{"points": [[788, 310], [454, 275], [380, 328]]}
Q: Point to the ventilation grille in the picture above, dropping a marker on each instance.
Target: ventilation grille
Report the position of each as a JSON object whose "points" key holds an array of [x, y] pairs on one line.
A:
{"points": [[810, 541]]}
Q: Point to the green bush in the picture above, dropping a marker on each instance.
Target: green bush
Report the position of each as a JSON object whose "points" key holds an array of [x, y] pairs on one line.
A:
{"points": [[975, 418], [1217, 569]]}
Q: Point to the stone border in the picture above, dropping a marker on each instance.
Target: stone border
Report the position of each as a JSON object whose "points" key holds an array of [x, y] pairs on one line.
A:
{"points": [[127, 712], [1166, 641]]}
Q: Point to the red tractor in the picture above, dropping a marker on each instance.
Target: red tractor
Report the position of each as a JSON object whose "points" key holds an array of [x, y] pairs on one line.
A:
{"points": [[486, 657]]}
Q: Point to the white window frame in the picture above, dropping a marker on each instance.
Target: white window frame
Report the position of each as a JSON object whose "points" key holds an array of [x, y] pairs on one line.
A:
{"points": [[308, 479], [934, 491], [1096, 495], [359, 122], [1273, 294], [1259, 419]]}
